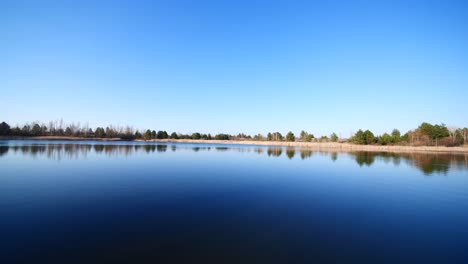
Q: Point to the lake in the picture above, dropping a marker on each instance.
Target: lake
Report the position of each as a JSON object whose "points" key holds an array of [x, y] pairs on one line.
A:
{"points": [[100, 202]]}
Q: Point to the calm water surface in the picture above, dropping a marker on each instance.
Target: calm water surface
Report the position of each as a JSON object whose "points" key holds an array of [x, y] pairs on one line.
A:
{"points": [[194, 203]]}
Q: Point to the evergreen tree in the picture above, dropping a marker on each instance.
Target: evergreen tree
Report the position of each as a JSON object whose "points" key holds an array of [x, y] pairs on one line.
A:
{"points": [[368, 137], [396, 136], [36, 130], [99, 132], [174, 135], [269, 136], [4, 129], [138, 135], [333, 137], [196, 136], [147, 135]]}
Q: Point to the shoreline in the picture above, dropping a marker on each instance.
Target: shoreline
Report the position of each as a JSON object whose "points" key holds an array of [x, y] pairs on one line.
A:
{"points": [[60, 138], [319, 146]]}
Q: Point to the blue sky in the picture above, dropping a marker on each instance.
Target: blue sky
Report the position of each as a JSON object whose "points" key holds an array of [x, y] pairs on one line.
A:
{"points": [[236, 66]]}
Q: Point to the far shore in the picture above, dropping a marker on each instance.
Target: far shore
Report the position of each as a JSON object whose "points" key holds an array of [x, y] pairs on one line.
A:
{"points": [[319, 146], [58, 138]]}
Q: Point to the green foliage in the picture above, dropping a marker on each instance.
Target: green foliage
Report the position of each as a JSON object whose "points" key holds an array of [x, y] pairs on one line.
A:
{"points": [[363, 137], [222, 137], [174, 135], [4, 129], [184, 136], [258, 137], [154, 135], [405, 137], [303, 135], [26, 130], [99, 132], [16, 131], [147, 135], [242, 135], [323, 139], [385, 139], [36, 130], [269, 136], [290, 136], [277, 136], [434, 131], [306, 136], [138, 135], [358, 137], [162, 135], [333, 137], [369, 137], [396, 136], [196, 136]]}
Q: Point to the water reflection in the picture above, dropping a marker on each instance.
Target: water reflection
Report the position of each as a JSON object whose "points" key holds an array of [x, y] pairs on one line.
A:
{"points": [[275, 151], [425, 162], [222, 148], [306, 153], [364, 158], [428, 163], [290, 152], [3, 150]]}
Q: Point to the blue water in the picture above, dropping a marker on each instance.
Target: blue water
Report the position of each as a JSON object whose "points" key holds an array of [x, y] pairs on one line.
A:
{"points": [[100, 202]]}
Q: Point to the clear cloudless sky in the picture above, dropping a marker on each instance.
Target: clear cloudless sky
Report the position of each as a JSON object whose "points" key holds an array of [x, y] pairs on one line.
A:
{"points": [[236, 66]]}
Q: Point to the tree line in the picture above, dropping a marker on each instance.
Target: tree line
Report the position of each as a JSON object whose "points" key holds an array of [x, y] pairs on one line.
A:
{"points": [[425, 135], [58, 128]]}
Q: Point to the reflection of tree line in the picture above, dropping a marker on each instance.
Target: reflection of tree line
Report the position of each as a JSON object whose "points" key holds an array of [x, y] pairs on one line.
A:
{"points": [[57, 151], [60, 151], [277, 151], [427, 163]]}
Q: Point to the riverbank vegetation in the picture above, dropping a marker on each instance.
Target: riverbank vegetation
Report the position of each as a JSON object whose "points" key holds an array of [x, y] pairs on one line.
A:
{"points": [[425, 135]]}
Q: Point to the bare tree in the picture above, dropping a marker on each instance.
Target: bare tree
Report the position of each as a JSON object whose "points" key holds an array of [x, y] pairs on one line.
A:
{"points": [[465, 135], [452, 133]]}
